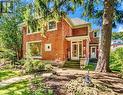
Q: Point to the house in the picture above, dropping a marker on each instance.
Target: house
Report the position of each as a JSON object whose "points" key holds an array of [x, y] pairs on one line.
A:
{"points": [[117, 43], [67, 39]]}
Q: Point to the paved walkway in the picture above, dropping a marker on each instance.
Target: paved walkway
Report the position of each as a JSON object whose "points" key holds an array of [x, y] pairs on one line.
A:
{"points": [[10, 81]]}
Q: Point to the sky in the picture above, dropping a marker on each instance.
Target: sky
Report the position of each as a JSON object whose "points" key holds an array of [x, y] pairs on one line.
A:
{"points": [[77, 14]]}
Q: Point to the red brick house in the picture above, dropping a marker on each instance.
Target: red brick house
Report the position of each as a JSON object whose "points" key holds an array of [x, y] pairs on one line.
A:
{"points": [[69, 38]]}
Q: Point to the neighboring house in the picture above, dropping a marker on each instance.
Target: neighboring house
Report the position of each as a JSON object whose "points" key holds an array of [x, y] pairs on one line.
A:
{"points": [[69, 38], [118, 43]]}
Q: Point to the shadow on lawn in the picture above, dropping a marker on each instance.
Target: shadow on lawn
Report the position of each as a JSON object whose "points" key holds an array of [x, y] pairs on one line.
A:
{"points": [[4, 74], [112, 81], [14, 88]]}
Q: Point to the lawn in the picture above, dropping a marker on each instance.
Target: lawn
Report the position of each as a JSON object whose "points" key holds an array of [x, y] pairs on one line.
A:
{"points": [[15, 89], [90, 66], [6, 74]]}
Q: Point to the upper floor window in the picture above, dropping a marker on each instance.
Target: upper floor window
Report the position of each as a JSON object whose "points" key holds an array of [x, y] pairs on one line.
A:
{"points": [[32, 30], [52, 25]]}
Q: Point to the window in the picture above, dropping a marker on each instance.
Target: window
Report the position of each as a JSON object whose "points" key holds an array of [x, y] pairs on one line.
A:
{"points": [[34, 27], [95, 34], [34, 30], [47, 47], [35, 49], [52, 25]]}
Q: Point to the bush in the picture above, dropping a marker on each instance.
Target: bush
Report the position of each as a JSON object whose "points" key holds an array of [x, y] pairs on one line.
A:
{"points": [[8, 66], [7, 55], [116, 60], [33, 65], [37, 87], [48, 67]]}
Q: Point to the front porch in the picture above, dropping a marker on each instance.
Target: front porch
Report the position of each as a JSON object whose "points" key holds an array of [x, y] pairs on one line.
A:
{"points": [[79, 47]]}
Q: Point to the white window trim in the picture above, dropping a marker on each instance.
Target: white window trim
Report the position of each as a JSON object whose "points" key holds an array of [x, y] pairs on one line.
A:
{"points": [[96, 34], [95, 51], [51, 29], [36, 32], [33, 42], [48, 50], [77, 43]]}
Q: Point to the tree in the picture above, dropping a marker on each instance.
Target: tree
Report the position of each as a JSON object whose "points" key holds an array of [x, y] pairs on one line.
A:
{"points": [[117, 35], [10, 34], [107, 15], [105, 43]]}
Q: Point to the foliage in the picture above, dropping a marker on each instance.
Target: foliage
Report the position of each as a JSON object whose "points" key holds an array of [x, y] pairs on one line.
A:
{"points": [[34, 66], [77, 87], [10, 34], [49, 9], [15, 89], [7, 66], [33, 86], [90, 67], [48, 67], [116, 60], [6, 74], [39, 88], [7, 54], [117, 35]]}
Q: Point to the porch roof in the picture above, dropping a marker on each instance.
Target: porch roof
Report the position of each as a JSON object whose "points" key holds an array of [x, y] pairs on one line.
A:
{"points": [[76, 38]]}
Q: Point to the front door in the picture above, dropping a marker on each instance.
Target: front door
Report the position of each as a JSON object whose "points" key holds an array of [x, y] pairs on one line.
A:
{"points": [[75, 51], [93, 52]]}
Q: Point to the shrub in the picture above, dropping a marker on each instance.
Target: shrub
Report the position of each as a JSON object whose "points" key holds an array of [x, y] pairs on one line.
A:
{"points": [[8, 66], [8, 55], [48, 67], [116, 60], [33, 65], [36, 87], [39, 88]]}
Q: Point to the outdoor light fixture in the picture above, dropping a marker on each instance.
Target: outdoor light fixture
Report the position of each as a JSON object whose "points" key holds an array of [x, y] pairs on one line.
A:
{"points": [[84, 48], [6, 6]]}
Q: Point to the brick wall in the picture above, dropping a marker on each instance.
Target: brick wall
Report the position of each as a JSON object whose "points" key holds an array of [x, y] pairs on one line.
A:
{"points": [[60, 47], [80, 31], [56, 38]]}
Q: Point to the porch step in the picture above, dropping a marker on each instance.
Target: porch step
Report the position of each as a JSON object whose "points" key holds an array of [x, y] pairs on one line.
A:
{"points": [[72, 64]]}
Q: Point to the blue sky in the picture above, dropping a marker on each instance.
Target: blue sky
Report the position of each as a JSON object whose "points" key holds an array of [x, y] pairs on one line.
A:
{"points": [[78, 11]]}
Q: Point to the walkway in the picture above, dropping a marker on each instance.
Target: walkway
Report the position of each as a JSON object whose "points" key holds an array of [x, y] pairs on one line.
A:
{"points": [[7, 82]]}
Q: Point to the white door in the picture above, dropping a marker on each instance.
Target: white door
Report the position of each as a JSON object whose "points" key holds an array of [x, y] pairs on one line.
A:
{"points": [[75, 51], [93, 52]]}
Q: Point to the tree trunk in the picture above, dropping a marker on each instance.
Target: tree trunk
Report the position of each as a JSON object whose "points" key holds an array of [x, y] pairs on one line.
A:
{"points": [[105, 41]]}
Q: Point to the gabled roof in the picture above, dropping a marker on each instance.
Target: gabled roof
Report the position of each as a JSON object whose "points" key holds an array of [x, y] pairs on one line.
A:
{"points": [[75, 22]]}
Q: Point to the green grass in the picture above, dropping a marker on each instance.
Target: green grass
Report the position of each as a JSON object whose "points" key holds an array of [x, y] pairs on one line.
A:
{"points": [[90, 66], [15, 89], [116, 67], [6, 74]]}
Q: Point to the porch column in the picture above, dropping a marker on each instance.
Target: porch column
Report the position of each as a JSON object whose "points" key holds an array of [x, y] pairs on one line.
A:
{"points": [[85, 49]]}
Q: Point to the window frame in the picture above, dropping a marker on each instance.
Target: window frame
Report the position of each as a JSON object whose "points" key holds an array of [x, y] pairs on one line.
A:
{"points": [[27, 47], [36, 32], [97, 34], [48, 26]]}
